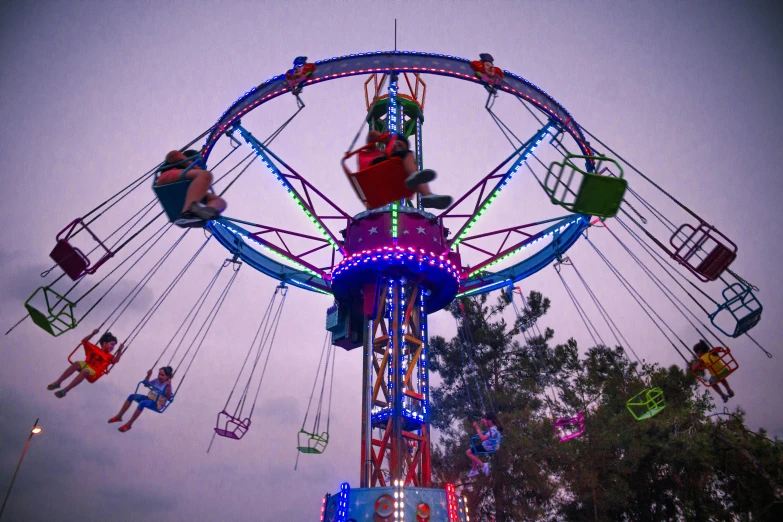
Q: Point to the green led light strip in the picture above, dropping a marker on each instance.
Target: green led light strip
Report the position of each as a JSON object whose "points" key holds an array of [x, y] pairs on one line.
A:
{"points": [[394, 212], [257, 148], [524, 153]]}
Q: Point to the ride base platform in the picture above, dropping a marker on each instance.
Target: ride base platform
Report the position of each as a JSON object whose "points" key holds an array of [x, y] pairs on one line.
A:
{"points": [[409, 504]]}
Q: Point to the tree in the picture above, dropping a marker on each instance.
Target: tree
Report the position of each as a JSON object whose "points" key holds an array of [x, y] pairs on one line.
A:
{"points": [[685, 463]]}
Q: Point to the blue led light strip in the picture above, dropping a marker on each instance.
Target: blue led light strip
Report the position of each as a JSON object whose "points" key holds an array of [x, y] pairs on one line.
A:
{"points": [[423, 357], [258, 148], [391, 119], [524, 153], [342, 504]]}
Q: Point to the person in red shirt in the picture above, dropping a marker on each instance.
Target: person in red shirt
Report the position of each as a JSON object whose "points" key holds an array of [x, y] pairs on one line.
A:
{"points": [[417, 180], [92, 364], [200, 205]]}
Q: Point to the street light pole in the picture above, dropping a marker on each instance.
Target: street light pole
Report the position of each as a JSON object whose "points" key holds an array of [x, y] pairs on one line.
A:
{"points": [[34, 431]]}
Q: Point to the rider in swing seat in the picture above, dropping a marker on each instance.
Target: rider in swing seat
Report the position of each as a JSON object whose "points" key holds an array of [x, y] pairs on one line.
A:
{"points": [[490, 442], [155, 400], [200, 205], [709, 359], [417, 180], [92, 364]]}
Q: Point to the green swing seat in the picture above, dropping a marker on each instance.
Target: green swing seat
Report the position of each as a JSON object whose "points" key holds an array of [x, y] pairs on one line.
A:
{"points": [[646, 404], [597, 195], [58, 317], [312, 442]]}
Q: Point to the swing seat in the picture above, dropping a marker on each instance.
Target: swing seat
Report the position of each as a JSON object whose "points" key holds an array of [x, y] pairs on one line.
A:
{"points": [[379, 184], [72, 260], [172, 197], [691, 244], [475, 443], [740, 312], [725, 361], [600, 195], [312, 442], [230, 426], [567, 428], [58, 317], [96, 358], [597, 195], [155, 395], [646, 404]]}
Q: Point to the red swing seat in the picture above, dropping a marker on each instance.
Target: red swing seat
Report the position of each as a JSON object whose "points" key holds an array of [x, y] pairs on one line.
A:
{"points": [[72, 260], [690, 245], [724, 366], [95, 358], [382, 183], [231, 427]]}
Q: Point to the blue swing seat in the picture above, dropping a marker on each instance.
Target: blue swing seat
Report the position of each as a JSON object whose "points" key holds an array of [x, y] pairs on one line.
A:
{"points": [[157, 394], [172, 197], [475, 443], [743, 307]]}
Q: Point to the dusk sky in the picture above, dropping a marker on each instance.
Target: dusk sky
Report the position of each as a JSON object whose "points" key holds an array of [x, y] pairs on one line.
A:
{"points": [[93, 94]]}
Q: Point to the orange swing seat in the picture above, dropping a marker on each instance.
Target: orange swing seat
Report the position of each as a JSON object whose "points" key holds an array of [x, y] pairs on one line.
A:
{"points": [[95, 358]]}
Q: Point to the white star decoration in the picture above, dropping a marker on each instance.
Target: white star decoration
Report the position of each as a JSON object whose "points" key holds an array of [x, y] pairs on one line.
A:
{"points": [[404, 232], [359, 240], [421, 230], [435, 238], [373, 230]]}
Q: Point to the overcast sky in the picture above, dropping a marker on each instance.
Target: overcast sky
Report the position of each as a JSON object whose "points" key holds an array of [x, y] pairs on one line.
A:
{"points": [[92, 95]]}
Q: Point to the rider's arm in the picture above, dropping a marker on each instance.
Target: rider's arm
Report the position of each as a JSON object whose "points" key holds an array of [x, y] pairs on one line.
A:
{"points": [[86, 339]]}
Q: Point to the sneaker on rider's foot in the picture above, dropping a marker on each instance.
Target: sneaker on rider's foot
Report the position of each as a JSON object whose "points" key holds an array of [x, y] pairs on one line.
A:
{"points": [[731, 394], [472, 473], [203, 211], [419, 177], [189, 220], [436, 201], [724, 397]]}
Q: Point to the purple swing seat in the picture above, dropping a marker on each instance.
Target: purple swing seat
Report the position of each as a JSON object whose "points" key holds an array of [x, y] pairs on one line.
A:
{"points": [[567, 428], [231, 427]]}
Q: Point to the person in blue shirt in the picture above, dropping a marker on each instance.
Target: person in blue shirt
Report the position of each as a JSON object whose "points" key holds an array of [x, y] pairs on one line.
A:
{"points": [[160, 392], [489, 442]]}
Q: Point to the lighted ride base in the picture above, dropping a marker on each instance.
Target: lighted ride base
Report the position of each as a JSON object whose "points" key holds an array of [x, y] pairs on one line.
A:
{"points": [[419, 251], [378, 505]]}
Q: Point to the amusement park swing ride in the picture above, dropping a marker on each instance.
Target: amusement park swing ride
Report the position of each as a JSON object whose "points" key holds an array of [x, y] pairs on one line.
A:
{"points": [[392, 265]]}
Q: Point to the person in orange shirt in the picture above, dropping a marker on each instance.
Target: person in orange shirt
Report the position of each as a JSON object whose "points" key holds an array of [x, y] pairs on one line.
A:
{"points": [[91, 365], [709, 359]]}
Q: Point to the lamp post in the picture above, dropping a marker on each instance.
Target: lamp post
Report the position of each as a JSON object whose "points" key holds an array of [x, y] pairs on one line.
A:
{"points": [[36, 429]]}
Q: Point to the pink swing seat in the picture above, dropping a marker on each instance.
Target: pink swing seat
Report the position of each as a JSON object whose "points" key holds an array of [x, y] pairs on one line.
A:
{"points": [[231, 427]]}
